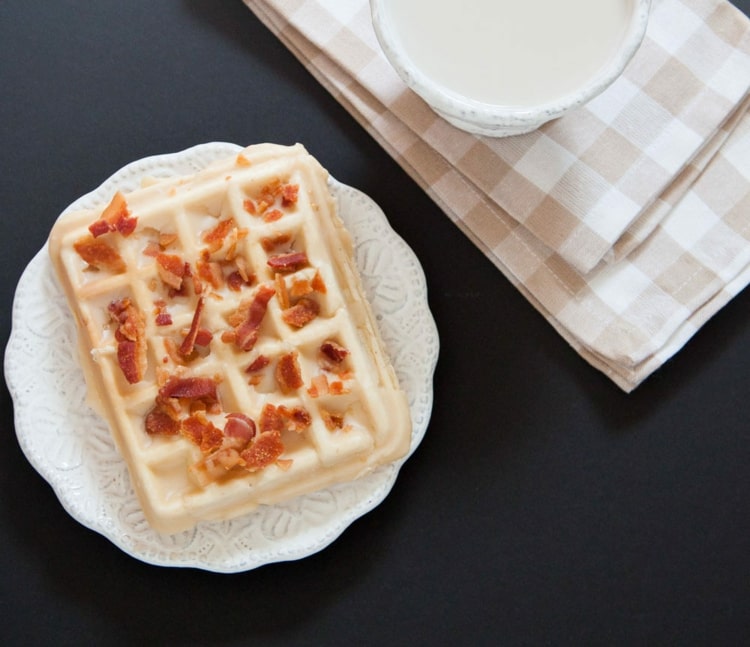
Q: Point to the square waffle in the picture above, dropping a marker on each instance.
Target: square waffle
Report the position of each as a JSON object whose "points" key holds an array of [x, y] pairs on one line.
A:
{"points": [[226, 338]]}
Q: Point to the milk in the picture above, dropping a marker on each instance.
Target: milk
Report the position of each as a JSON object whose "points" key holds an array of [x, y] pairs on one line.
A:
{"points": [[511, 52]]}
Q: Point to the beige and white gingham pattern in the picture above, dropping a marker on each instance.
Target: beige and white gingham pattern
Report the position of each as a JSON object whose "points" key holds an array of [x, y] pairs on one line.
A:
{"points": [[627, 222]]}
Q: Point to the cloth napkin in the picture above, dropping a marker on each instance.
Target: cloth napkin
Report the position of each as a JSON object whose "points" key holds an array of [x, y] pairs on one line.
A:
{"points": [[626, 223]]}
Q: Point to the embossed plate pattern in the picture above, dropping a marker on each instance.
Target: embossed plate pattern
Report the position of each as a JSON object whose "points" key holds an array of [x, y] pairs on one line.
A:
{"points": [[71, 447]]}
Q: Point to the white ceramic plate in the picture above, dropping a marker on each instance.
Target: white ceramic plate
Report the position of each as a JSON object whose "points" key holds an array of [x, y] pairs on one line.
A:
{"points": [[71, 447]]}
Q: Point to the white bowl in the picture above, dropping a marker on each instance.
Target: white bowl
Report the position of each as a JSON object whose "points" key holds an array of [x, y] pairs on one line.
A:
{"points": [[505, 67]]}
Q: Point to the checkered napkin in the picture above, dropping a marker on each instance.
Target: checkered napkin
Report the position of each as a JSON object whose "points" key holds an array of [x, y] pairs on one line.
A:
{"points": [[625, 223]]}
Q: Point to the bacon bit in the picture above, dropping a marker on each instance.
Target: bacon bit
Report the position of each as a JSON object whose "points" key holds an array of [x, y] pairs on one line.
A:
{"points": [[338, 388], [163, 319], [318, 386], [318, 284], [115, 217], [130, 336], [288, 375], [301, 313], [202, 389], [202, 432], [158, 421], [238, 425], [249, 206], [99, 228], [210, 272], [267, 195], [332, 421], [258, 364], [289, 194], [281, 292], [188, 344], [215, 237], [270, 244], [287, 263], [99, 254], [127, 358], [300, 288], [273, 215], [242, 160], [271, 420], [204, 337], [235, 281], [171, 270], [333, 351], [247, 332], [264, 450], [297, 419]]}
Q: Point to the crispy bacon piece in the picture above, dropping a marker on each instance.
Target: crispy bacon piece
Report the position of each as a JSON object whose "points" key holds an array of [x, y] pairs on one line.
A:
{"points": [[188, 344], [202, 389], [249, 206], [270, 419], [267, 195], [300, 288], [246, 333], [130, 336], [318, 386], [273, 215], [171, 269], [288, 375], [209, 271], [201, 431], [258, 364], [240, 426], [287, 263], [264, 450], [270, 243], [297, 419], [158, 421], [301, 313], [333, 351], [163, 319], [332, 420], [235, 281], [282, 294], [129, 360], [99, 254], [215, 237], [289, 194], [318, 284], [204, 337], [337, 388], [115, 217]]}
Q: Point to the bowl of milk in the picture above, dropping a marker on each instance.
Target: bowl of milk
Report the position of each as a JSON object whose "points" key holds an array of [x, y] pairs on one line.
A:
{"points": [[505, 67]]}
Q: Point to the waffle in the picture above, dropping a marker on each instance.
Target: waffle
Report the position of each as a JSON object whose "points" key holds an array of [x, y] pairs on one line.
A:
{"points": [[226, 339]]}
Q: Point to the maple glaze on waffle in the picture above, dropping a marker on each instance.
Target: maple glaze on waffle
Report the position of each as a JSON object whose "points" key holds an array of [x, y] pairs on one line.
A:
{"points": [[226, 338]]}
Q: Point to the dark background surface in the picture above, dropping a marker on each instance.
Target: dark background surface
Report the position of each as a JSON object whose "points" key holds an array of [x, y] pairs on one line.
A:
{"points": [[544, 505]]}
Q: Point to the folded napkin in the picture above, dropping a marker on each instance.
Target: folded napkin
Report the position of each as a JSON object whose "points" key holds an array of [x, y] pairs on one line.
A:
{"points": [[626, 223]]}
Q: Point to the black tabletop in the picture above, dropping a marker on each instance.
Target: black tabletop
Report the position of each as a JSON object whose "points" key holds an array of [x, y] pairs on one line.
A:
{"points": [[544, 506]]}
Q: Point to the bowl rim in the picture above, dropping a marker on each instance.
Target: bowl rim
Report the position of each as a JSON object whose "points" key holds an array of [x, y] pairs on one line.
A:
{"points": [[457, 106]]}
